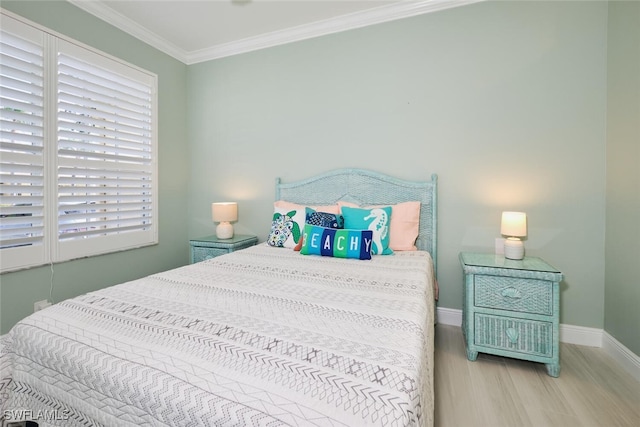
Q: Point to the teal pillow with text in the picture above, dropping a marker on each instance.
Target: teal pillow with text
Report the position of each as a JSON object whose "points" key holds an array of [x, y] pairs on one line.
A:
{"points": [[340, 243], [375, 219]]}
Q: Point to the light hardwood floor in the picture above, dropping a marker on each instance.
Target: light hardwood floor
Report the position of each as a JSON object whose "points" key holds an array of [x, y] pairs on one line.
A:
{"points": [[493, 391]]}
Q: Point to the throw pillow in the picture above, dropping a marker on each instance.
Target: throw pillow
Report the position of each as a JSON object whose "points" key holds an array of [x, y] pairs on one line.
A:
{"points": [[404, 227], [376, 219], [341, 243], [286, 227], [325, 219]]}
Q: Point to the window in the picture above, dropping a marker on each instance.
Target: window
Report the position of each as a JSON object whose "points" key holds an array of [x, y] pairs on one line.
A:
{"points": [[78, 148]]}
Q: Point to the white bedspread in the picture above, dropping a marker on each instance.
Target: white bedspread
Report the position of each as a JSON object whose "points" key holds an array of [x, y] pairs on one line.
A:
{"points": [[260, 337]]}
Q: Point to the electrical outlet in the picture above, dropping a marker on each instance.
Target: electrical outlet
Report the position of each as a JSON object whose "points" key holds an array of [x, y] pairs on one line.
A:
{"points": [[39, 305]]}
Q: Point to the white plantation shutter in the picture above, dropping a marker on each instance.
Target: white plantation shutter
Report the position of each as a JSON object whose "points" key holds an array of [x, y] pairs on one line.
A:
{"points": [[78, 169], [105, 159], [22, 227]]}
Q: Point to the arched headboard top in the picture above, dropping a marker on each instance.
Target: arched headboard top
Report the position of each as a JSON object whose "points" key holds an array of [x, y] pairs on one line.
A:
{"points": [[366, 187]]}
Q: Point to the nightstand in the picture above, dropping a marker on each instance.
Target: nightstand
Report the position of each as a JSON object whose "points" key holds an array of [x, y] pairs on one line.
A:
{"points": [[211, 247], [511, 308]]}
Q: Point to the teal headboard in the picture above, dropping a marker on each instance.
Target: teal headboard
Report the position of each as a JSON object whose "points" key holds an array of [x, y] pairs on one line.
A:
{"points": [[366, 187]]}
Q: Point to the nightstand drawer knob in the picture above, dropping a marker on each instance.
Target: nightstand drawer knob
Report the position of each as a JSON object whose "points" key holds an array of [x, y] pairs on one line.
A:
{"points": [[511, 293], [512, 334]]}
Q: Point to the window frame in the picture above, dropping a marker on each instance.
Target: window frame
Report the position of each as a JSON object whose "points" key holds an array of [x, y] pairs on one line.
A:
{"points": [[52, 248]]}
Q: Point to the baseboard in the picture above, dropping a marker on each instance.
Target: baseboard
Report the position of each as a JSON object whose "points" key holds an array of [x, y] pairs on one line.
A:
{"points": [[569, 334], [580, 335], [621, 354], [449, 316]]}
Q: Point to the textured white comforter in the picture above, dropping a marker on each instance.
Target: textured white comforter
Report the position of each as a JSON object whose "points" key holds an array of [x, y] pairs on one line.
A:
{"points": [[260, 337]]}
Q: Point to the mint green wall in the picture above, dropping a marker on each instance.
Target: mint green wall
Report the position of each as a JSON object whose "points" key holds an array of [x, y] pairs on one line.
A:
{"points": [[19, 290], [506, 101], [622, 283]]}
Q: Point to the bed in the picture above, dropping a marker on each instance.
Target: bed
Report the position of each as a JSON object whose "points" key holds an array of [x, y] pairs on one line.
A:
{"points": [[260, 337]]}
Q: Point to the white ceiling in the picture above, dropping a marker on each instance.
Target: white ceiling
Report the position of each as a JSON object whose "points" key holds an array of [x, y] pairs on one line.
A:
{"points": [[199, 30]]}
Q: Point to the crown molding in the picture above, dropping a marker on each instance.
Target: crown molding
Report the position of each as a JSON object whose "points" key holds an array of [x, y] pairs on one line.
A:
{"points": [[350, 21], [98, 9], [394, 11]]}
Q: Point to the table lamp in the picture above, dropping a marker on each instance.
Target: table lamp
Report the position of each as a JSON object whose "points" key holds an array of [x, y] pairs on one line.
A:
{"points": [[514, 226], [224, 213]]}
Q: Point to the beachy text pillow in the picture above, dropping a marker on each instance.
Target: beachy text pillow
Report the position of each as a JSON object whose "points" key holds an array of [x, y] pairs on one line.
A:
{"points": [[341, 243]]}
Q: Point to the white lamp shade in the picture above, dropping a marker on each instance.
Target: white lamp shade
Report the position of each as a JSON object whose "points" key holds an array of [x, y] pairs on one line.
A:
{"points": [[514, 224], [224, 211]]}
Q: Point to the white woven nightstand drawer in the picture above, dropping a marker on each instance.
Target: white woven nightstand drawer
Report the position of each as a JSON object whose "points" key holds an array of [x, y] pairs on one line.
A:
{"points": [[514, 294]]}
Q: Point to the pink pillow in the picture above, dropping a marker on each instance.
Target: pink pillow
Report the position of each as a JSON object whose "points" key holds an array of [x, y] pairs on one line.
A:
{"points": [[334, 209], [404, 227]]}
